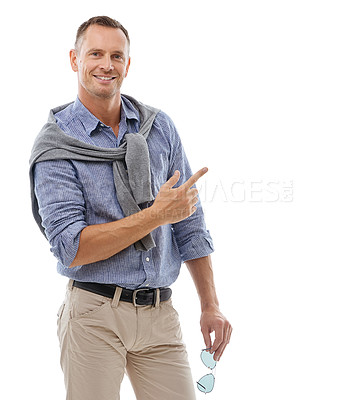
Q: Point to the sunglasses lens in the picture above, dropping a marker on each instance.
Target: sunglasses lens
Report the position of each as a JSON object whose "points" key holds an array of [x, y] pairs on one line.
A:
{"points": [[208, 359], [206, 384]]}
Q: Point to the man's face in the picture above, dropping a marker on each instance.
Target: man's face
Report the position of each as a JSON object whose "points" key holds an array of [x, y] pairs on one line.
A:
{"points": [[101, 61]]}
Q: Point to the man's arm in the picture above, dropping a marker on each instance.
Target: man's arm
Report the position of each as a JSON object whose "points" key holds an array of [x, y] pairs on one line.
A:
{"points": [[212, 320], [171, 205], [101, 241]]}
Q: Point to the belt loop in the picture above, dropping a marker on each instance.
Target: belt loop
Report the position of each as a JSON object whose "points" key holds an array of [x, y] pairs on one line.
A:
{"points": [[69, 285], [157, 299], [116, 298]]}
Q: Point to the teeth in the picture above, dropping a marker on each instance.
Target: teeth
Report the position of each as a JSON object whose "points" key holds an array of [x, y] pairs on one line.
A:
{"points": [[105, 78]]}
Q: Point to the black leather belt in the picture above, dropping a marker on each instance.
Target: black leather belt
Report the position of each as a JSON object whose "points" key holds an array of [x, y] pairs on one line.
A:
{"points": [[138, 297]]}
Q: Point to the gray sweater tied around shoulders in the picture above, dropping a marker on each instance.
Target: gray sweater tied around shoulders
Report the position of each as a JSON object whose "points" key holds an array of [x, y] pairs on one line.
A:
{"points": [[133, 186]]}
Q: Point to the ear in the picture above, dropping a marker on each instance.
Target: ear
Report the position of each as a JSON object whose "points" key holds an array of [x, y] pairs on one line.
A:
{"points": [[128, 66], [74, 60]]}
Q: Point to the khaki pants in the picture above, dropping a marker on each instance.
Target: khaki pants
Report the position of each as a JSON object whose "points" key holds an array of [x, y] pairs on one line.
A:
{"points": [[101, 338]]}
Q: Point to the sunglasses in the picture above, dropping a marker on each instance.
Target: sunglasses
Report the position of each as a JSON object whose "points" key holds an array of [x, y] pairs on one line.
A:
{"points": [[206, 383]]}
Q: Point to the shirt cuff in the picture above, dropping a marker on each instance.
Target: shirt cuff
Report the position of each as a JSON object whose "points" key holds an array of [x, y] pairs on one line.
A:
{"points": [[66, 245], [197, 247]]}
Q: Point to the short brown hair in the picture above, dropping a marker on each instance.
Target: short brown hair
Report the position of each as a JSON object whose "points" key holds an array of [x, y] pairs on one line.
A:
{"points": [[102, 21]]}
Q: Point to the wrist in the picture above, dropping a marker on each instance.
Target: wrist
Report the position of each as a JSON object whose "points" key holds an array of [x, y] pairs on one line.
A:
{"points": [[157, 215], [210, 307], [154, 216]]}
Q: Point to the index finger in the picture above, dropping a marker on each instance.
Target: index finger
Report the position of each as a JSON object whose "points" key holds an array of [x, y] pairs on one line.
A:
{"points": [[194, 178]]}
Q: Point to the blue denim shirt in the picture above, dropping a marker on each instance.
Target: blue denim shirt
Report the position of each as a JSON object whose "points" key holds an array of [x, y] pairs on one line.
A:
{"points": [[74, 194]]}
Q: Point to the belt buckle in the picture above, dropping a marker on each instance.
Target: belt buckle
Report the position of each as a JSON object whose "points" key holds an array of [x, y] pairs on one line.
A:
{"points": [[134, 297]]}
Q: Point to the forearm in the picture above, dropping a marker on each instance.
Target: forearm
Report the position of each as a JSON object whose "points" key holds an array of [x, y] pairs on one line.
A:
{"points": [[99, 242], [212, 320], [202, 274]]}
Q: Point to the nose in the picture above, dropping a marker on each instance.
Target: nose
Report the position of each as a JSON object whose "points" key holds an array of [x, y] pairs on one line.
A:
{"points": [[106, 63]]}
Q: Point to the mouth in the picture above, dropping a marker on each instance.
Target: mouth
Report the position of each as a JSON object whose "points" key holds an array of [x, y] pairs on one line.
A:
{"points": [[104, 78]]}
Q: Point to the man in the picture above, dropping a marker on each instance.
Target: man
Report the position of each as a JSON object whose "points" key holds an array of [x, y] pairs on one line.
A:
{"points": [[114, 194]]}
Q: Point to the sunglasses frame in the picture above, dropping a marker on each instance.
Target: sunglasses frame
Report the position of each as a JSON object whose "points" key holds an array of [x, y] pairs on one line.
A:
{"points": [[212, 369]]}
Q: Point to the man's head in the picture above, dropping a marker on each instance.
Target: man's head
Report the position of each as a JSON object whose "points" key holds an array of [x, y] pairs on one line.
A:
{"points": [[100, 57]]}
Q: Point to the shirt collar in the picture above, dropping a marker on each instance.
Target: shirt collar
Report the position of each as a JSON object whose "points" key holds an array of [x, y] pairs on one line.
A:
{"points": [[129, 110], [90, 121]]}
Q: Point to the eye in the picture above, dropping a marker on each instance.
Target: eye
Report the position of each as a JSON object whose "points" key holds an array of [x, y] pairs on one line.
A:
{"points": [[95, 54], [118, 57]]}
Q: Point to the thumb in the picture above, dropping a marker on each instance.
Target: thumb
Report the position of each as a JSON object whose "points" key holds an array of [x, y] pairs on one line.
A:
{"points": [[173, 180]]}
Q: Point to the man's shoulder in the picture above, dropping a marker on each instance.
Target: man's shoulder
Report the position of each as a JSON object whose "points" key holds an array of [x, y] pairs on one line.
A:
{"points": [[64, 114], [164, 119]]}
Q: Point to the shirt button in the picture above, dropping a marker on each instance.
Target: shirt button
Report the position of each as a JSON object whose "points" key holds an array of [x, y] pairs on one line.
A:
{"points": [[147, 259], [102, 125], [147, 284]]}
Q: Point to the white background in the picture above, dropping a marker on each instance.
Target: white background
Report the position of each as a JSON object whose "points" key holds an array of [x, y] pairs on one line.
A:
{"points": [[260, 92]]}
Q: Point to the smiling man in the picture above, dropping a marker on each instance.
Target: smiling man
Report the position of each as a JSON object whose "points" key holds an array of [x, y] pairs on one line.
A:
{"points": [[113, 192]]}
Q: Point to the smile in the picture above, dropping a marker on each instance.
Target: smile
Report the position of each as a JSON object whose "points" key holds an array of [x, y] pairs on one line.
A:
{"points": [[105, 78]]}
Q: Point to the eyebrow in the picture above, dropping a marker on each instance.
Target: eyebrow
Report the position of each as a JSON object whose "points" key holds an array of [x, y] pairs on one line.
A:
{"points": [[101, 50]]}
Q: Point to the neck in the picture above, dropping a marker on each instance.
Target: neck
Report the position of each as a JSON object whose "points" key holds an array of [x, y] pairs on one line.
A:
{"points": [[107, 110]]}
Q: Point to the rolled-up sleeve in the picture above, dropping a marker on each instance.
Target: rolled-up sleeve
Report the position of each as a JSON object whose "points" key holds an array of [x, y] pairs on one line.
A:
{"points": [[61, 207], [192, 237]]}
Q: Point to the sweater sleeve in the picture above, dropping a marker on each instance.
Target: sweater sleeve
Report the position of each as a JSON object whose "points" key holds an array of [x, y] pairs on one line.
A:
{"points": [[61, 207]]}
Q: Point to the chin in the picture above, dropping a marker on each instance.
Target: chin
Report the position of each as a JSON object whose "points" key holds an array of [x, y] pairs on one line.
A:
{"points": [[103, 94]]}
